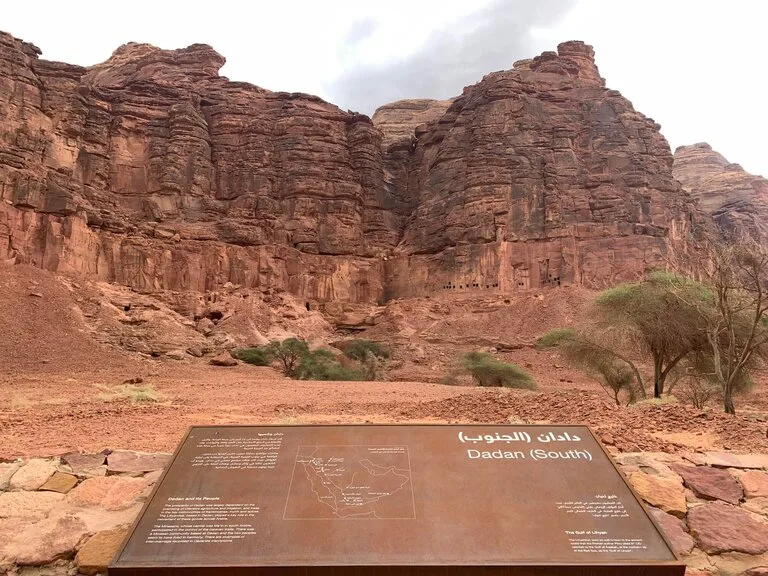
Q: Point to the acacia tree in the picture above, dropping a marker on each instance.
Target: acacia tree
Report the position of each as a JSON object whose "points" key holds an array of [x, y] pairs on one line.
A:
{"points": [[587, 349], [735, 313], [289, 352], [650, 318]]}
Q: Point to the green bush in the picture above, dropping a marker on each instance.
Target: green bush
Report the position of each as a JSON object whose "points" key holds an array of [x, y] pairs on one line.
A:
{"points": [[322, 365], [256, 356], [359, 349], [290, 353], [489, 371], [555, 337]]}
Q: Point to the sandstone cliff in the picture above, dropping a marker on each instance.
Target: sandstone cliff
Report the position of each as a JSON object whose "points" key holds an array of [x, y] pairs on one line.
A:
{"points": [[538, 176], [736, 199], [152, 171]]}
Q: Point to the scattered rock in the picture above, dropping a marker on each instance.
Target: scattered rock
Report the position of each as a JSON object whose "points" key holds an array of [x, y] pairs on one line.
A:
{"points": [[176, 354], [60, 482], [755, 483], [711, 483], [728, 460], [224, 359], [674, 529], [719, 527], [607, 439], [110, 492], [36, 294], [195, 351], [664, 493], [24, 504], [126, 461], [759, 571], [205, 326], [137, 380], [98, 551], [33, 474]]}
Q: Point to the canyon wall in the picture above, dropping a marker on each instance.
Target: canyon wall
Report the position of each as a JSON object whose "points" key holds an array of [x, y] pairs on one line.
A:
{"points": [[152, 171], [538, 176], [734, 198]]}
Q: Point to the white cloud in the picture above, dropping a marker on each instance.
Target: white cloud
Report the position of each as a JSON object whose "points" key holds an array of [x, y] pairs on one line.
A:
{"points": [[696, 66]]}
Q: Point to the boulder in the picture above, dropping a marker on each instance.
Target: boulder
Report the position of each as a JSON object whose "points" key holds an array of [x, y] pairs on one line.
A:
{"points": [[98, 551], [720, 527], [176, 354], [664, 493], [33, 474], [711, 483], [223, 359]]}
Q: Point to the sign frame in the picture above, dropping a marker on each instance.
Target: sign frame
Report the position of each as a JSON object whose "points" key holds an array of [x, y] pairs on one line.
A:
{"points": [[595, 568]]}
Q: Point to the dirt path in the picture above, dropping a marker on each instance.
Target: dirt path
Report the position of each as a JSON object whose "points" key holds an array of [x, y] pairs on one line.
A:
{"points": [[48, 414]]}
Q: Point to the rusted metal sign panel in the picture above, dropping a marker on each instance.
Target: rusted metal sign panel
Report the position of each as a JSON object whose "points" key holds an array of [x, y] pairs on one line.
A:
{"points": [[398, 499]]}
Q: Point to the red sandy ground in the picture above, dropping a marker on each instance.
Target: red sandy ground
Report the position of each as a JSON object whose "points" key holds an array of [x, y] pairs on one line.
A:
{"points": [[57, 384]]}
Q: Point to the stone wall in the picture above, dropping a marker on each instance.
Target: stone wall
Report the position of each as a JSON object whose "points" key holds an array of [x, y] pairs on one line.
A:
{"points": [[71, 513]]}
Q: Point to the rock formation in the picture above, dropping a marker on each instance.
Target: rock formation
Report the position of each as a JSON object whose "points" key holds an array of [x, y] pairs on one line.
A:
{"points": [[736, 199], [538, 176], [152, 171]]}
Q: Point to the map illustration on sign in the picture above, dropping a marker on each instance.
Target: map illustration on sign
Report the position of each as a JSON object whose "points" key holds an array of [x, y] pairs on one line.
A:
{"points": [[357, 482]]}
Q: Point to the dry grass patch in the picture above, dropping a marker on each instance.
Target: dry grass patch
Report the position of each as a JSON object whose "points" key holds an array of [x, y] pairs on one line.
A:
{"points": [[131, 392]]}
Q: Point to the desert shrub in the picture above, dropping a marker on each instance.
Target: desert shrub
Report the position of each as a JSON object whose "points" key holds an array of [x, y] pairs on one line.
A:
{"points": [[322, 365], [555, 337], [489, 371], [697, 390], [374, 367], [132, 393], [258, 356], [290, 353], [359, 350]]}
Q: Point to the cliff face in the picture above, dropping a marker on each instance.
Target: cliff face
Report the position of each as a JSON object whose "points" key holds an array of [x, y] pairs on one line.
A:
{"points": [[538, 176], [152, 171], [736, 199]]}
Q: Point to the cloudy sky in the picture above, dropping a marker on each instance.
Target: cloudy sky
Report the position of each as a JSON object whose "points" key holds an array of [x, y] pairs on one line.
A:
{"points": [[697, 67]]}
